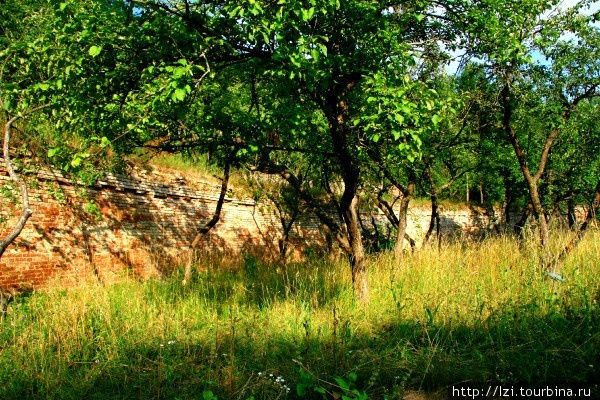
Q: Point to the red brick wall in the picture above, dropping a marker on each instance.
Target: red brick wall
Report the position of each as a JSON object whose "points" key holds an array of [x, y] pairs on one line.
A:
{"points": [[144, 227]]}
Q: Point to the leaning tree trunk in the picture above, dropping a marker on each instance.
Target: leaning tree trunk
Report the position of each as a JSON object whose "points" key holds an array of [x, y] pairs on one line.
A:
{"points": [[434, 208], [402, 220], [388, 211], [580, 232], [26, 211], [433, 220], [571, 216], [213, 221]]}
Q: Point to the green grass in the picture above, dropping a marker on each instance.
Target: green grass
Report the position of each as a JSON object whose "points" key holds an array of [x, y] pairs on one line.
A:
{"points": [[198, 164], [479, 313]]}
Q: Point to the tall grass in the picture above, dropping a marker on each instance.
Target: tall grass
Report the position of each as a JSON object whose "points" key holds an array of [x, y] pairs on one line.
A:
{"points": [[477, 313]]}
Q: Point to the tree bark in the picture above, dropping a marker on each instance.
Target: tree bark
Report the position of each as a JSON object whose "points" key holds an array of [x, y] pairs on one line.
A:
{"points": [[286, 227], [401, 229], [393, 220], [399, 222], [520, 224], [360, 283], [336, 111]]}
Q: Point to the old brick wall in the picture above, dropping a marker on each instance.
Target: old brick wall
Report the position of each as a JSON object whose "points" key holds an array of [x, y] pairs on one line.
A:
{"points": [[140, 225]]}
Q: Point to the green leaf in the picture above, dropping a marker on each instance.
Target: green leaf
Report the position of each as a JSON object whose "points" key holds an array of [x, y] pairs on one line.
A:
{"points": [[301, 389], [323, 49], [352, 377], [208, 395], [94, 51], [76, 161], [178, 95], [315, 54], [342, 383], [319, 389]]}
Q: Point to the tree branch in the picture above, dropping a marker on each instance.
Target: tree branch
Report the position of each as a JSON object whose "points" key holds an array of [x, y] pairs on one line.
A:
{"points": [[26, 212]]}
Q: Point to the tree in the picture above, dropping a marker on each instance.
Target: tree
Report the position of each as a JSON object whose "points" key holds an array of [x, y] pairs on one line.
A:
{"points": [[327, 80], [65, 72], [506, 36]]}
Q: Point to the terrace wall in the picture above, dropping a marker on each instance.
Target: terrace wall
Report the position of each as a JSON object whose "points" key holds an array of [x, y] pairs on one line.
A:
{"points": [[140, 226]]}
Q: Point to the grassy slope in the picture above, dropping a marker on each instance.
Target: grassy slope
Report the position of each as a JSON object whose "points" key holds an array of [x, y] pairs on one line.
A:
{"points": [[467, 313]]}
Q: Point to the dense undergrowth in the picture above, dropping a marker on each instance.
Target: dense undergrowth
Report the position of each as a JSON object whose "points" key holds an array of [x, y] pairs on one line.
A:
{"points": [[478, 313]]}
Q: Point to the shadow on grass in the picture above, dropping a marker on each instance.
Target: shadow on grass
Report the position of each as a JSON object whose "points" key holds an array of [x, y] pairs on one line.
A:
{"points": [[515, 346]]}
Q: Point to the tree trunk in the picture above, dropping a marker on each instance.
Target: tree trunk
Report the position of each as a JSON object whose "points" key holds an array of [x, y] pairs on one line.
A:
{"points": [[336, 111], [213, 221], [434, 207], [394, 221], [581, 231], [26, 211], [284, 241], [506, 212], [437, 229], [520, 224], [401, 229], [571, 216], [538, 211], [531, 180], [433, 220], [481, 200], [357, 256], [402, 219]]}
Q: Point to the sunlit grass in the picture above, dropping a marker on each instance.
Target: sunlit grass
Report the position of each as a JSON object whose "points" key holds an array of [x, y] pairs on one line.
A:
{"points": [[199, 167], [468, 312]]}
